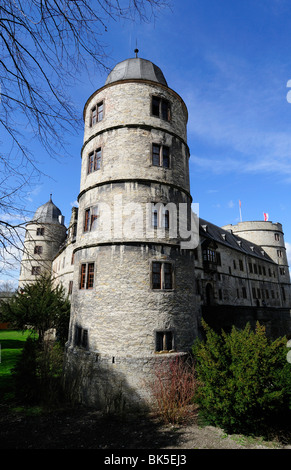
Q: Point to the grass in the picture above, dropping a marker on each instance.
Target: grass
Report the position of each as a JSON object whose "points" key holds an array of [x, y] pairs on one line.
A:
{"points": [[11, 345]]}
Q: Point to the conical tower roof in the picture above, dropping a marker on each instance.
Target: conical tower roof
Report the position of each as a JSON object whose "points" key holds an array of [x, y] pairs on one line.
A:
{"points": [[48, 213], [136, 68]]}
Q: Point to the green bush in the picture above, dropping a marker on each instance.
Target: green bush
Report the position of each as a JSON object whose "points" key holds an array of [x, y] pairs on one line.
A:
{"points": [[244, 378], [24, 374], [37, 374]]}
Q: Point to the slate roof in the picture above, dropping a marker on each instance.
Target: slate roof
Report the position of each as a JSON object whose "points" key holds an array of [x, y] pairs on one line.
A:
{"points": [[47, 213], [227, 238], [136, 68]]}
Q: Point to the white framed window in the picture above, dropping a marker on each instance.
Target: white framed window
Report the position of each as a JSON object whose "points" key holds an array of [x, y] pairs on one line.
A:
{"points": [[91, 218], [97, 113], [94, 160], [87, 272]]}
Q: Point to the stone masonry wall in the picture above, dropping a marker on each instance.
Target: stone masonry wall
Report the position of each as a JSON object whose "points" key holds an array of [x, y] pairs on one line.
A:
{"points": [[122, 311]]}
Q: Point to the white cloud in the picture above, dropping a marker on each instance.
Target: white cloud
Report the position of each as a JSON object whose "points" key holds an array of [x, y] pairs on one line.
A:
{"points": [[244, 114]]}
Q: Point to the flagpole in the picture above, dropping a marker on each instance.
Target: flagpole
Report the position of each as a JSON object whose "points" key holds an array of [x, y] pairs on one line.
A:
{"points": [[240, 211]]}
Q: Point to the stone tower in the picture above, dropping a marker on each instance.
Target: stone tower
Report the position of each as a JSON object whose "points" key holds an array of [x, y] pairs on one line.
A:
{"points": [[133, 299], [44, 235], [270, 237]]}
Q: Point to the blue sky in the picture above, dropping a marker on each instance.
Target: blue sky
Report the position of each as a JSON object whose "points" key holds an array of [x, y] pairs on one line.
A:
{"points": [[230, 61]]}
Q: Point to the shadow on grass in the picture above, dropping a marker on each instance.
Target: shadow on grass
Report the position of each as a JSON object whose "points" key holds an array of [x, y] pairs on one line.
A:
{"points": [[11, 344]]}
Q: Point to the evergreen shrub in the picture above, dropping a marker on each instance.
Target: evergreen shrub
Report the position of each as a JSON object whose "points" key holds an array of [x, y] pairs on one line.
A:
{"points": [[38, 373], [244, 379]]}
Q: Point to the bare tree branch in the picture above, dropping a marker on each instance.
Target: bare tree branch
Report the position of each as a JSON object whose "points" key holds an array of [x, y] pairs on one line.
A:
{"points": [[45, 45]]}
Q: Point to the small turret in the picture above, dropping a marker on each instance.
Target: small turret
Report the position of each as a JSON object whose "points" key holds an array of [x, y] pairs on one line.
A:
{"points": [[44, 235]]}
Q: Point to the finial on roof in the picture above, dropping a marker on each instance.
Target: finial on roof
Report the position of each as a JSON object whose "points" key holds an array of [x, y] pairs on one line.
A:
{"points": [[51, 197], [136, 52]]}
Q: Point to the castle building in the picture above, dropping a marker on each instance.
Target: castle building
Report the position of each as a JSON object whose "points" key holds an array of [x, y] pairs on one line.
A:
{"points": [[140, 268], [44, 235]]}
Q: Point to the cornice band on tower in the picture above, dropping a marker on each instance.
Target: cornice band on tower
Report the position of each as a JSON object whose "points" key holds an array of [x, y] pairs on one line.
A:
{"points": [[134, 180], [146, 127]]}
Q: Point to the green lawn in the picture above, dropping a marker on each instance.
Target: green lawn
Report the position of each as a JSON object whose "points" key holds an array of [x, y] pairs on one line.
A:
{"points": [[11, 344]]}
